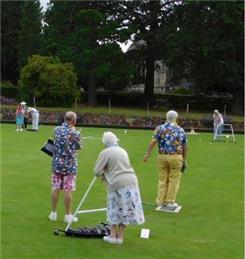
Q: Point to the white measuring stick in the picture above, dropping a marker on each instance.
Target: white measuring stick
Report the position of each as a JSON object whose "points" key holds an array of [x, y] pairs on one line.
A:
{"points": [[81, 202], [89, 211]]}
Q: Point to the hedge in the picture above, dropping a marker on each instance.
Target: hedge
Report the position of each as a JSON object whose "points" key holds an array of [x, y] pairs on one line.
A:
{"points": [[102, 119], [195, 102]]}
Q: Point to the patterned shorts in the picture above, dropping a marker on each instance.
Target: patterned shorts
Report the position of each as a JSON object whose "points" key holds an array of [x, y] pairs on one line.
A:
{"points": [[63, 182]]}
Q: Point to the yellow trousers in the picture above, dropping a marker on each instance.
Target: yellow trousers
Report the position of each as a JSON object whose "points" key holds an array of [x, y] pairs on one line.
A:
{"points": [[169, 177]]}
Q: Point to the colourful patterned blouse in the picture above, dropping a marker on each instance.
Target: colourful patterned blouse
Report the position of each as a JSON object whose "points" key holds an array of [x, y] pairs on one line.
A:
{"points": [[66, 144], [170, 137]]}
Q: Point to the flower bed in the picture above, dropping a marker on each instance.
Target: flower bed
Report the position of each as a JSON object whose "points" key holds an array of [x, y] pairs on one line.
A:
{"points": [[8, 115]]}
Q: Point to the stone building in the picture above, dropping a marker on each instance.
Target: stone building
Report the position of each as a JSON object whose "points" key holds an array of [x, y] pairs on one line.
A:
{"points": [[160, 77], [160, 74]]}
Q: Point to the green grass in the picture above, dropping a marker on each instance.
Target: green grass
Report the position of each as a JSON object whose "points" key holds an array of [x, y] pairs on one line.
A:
{"points": [[210, 225], [132, 111]]}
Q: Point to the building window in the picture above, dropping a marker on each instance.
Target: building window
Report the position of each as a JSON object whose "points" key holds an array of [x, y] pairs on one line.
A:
{"points": [[158, 80]]}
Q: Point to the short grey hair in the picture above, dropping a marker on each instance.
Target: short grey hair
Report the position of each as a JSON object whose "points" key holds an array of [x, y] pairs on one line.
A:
{"points": [[70, 116], [171, 116]]}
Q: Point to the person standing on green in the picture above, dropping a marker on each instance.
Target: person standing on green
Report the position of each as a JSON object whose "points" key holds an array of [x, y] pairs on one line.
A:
{"points": [[172, 153]]}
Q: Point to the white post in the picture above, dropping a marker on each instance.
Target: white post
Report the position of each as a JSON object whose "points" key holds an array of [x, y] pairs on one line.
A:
{"points": [[187, 113], [75, 103], [187, 108], [148, 109], [225, 110], [34, 102], [109, 106]]}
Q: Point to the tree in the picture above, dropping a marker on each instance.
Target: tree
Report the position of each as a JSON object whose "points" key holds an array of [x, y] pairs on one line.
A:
{"points": [[29, 37], [86, 37], [207, 48], [49, 80], [114, 71], [145, 21], [9, 90], [10, 27]]}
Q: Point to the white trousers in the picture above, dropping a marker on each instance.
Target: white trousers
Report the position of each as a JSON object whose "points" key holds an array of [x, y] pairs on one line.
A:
{"points": [[218, 128], [35, 120]]}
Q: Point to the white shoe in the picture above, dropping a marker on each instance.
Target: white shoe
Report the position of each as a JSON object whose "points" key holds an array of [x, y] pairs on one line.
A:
{"points": [[17, 129], [111, 240], [119, 241], [53, 216], [172, 205], [158, 207], [70, 218], [21, 129]]}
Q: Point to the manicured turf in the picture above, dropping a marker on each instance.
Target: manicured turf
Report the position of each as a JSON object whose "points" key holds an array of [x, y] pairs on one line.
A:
{"points": [[210, 224]]}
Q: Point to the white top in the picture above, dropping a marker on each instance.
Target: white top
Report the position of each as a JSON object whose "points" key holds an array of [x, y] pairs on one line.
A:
{"points": [[218, 119], [32, 110], [114, 165]]}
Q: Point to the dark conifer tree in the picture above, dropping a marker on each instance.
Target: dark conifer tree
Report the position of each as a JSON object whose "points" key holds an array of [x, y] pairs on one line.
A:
{"points": [[30, 37], [10, 28]]}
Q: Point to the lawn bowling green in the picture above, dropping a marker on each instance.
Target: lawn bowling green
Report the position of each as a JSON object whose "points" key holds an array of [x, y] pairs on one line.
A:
{"points": [[209, 225]]}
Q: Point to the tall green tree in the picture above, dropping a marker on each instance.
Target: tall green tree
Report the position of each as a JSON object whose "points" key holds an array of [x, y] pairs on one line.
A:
{"points": [[205, 45], [145, 21], [10, 28], [29, 36], [86, 37]]}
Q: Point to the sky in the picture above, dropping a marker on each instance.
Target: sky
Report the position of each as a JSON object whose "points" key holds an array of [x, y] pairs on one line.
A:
{"points": [[44, 4], [124, 46]]}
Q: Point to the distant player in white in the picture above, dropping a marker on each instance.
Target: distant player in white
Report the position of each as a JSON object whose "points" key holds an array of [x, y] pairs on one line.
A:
{"points": [[218, 122], [35, 117]]}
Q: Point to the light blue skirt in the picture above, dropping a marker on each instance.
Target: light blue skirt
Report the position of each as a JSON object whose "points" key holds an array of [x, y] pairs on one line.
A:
{"points": [[20, 119], [124, 206]]}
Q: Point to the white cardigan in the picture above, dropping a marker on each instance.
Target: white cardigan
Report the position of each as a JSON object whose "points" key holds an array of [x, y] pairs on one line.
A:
{"points": [[114, 165]]}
